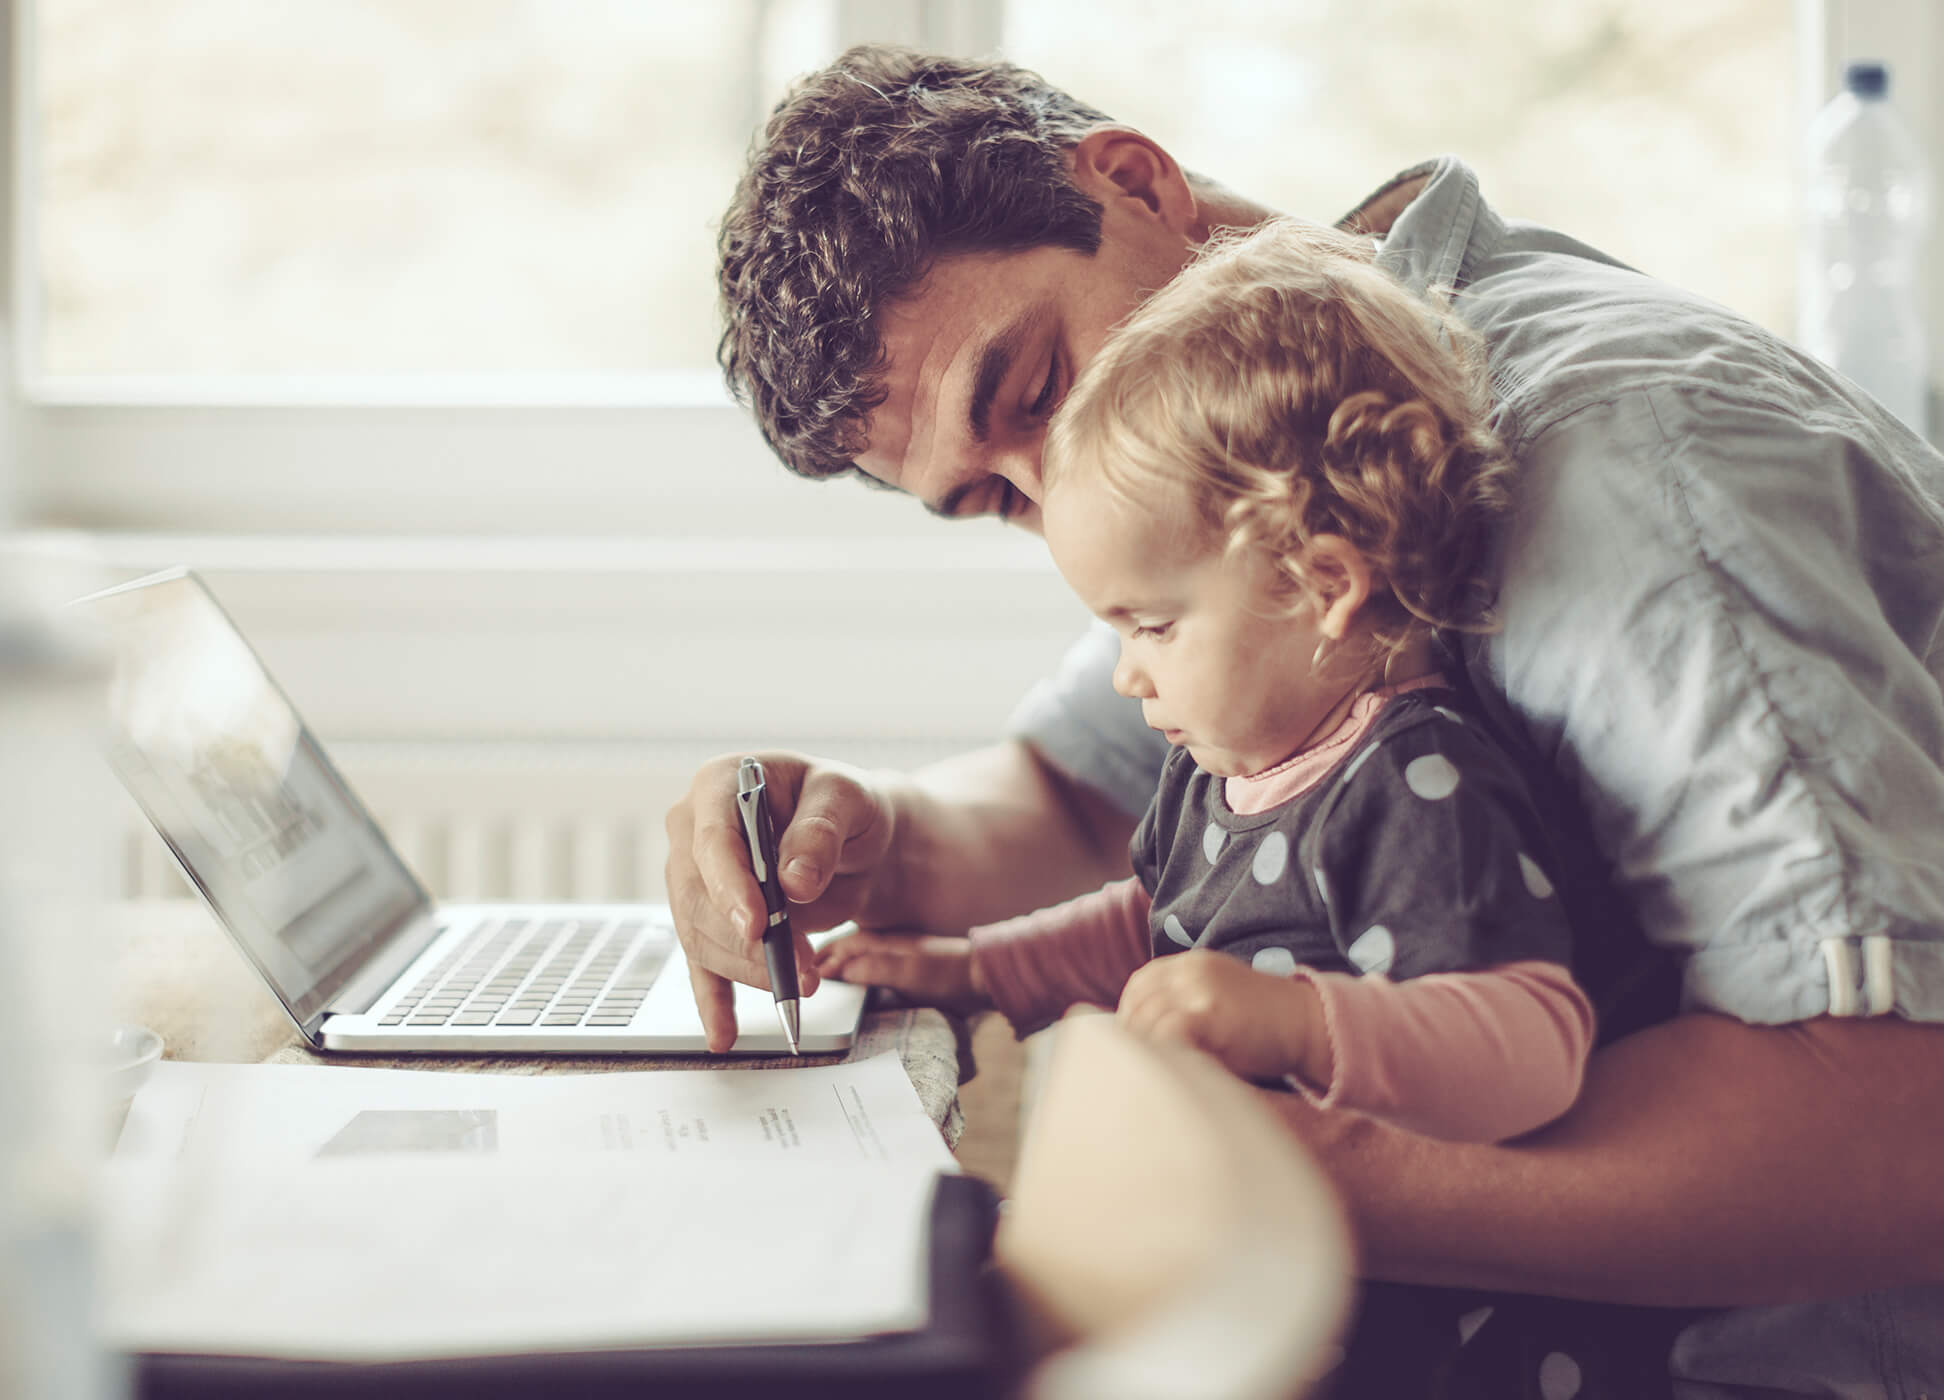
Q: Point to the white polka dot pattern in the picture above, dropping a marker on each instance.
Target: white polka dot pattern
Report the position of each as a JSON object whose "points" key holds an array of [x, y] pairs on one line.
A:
{"points": [[1374, 949], [1271, 859], [1431, 776], [1322, 886], [1356, 763], [1536, 883], [1172, 927], [1559, 1376], [1277, 962], [1212, 840]]}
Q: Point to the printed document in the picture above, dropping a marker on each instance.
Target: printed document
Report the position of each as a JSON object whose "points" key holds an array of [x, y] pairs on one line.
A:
{"points": [[863, 1111], [337, 1213]]}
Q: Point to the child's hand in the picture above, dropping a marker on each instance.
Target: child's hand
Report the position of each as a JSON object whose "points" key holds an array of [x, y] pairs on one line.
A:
{"points": [[931, 970], [1261, 1025]]}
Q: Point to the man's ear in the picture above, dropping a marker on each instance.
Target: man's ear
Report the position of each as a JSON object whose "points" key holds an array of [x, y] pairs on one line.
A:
{"points": [[1117, 162], [1344, 581]]}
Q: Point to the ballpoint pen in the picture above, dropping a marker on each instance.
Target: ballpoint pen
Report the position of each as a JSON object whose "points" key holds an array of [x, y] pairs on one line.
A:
{"points": [[779, 944]]}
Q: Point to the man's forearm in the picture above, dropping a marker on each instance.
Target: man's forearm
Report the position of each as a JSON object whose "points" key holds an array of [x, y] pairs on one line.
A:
{"points": [[1707, 1163], [990, 834]]}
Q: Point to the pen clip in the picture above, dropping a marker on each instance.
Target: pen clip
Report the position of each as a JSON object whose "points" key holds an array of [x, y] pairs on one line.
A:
{"points": [[750, 787]]}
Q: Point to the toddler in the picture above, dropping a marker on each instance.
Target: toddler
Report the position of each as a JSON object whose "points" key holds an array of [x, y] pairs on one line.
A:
{"points": [[1277, 482]]}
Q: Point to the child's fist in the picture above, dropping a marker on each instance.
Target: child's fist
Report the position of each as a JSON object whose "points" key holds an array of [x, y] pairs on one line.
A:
{"points": [[1260, 1024]]}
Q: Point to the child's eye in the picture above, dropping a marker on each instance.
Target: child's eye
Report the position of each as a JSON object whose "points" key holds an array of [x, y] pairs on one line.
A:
{"points": [[1156, 630]]}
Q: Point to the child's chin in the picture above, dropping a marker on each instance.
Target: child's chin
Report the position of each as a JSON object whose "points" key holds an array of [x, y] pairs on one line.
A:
{"points": [[1221, 765]]}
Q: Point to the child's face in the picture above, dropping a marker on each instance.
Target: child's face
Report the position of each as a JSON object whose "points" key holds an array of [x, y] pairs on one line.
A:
{"points": [[1218, 665]]}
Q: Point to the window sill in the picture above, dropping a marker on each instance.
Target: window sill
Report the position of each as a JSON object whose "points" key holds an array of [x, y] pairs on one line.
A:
{"points": [[690, 640]]}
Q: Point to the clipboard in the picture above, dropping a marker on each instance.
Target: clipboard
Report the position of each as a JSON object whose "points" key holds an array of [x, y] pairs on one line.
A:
{"points": [[960, 1354]]}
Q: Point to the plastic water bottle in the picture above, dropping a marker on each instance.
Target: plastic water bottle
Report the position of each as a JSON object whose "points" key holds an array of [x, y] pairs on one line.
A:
{"points": [[1862, 278]]}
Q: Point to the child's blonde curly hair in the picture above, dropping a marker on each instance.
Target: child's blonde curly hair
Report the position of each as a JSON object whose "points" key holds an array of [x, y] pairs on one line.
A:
{"points": [[1286, 387]]}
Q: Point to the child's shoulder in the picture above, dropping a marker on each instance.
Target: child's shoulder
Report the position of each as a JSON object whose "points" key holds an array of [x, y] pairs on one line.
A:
{"points": [[1432, 723], [1438, 703]]}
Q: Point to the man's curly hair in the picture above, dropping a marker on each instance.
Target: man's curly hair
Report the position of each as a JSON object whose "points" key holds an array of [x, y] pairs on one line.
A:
{"points": [[866, 174]]}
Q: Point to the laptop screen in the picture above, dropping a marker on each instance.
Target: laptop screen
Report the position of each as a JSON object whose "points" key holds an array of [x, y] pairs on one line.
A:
{"points": [[211, 749]]}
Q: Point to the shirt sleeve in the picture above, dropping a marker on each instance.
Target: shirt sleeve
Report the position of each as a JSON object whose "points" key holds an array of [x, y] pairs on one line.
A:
{"points": [[1036, 966], [1722, 600], [1467, 1056]]}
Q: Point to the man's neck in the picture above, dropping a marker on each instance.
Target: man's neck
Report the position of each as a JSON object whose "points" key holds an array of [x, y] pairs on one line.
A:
{"points": [[1217, 208]]}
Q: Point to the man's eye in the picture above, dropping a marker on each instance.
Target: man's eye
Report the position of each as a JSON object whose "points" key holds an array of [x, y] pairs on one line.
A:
{"points": [[1049, 391]]}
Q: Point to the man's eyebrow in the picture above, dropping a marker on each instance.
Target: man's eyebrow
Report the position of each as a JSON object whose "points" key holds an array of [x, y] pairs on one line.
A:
{"points": [[994, 361]]}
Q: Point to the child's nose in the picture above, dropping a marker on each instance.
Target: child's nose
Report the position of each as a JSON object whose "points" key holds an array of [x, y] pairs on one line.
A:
{"points": [[1130, 680]]}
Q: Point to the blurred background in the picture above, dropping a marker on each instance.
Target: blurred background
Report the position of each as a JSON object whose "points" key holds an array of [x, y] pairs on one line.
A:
{"points": [[396, 317], [447, 187]]}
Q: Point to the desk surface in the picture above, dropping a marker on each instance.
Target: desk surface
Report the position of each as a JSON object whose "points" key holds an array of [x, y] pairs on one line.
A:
{"points": [[174, 970]]}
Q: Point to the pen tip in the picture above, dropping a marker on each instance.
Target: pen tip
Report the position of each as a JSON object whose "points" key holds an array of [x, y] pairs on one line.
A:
{"points": [[786, 1012]]}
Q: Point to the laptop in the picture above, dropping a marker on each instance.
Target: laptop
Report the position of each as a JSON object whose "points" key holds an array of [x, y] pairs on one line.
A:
{"points": [[291, 863]]}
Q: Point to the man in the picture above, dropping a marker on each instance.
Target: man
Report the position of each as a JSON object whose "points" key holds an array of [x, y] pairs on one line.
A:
{"points": [[1723, 607]]}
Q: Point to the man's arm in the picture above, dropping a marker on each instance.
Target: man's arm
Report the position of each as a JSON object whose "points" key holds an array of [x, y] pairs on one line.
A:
{"points": [[990, 834], [1707, 1163]]}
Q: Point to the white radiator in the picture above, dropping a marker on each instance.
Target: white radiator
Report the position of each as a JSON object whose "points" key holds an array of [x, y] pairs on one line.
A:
{"points": [[524, 822]]}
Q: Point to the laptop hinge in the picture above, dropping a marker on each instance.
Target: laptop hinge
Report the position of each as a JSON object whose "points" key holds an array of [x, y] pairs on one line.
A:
{"points": [[414, 934]]}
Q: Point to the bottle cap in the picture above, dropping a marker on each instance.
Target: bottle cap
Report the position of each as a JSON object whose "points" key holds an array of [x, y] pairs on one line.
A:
{"points": [[1868, 80]]}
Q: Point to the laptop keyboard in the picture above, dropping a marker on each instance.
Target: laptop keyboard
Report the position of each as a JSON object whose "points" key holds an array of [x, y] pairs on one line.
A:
{"points": [[520, 971]]}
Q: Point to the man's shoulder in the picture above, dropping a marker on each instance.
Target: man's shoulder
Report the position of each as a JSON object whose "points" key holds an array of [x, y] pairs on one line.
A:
{"points": [[1565, 329], [1567, 326]]}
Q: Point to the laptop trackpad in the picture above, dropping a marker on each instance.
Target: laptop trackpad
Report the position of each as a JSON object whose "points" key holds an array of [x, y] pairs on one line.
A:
{"points": [[829, 1017]]}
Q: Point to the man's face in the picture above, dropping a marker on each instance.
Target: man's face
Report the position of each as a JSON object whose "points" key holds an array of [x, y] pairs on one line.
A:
{"points": [[1220, 668], [979, 357]]}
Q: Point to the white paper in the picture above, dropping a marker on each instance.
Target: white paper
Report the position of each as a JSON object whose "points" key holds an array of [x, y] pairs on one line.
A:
{"points": [[387, 1258], [862, 1111], [339, 1213]]}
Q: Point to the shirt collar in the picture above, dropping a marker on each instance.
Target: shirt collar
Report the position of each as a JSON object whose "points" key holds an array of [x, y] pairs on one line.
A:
{"points": [[1435, 225]]}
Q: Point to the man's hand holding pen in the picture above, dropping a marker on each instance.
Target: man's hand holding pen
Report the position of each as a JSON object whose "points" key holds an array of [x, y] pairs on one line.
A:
{"points": [[835, 830]]}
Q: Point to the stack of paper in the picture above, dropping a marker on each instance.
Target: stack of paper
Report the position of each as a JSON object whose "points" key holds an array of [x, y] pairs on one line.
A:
{"points": [[361, 1214]]}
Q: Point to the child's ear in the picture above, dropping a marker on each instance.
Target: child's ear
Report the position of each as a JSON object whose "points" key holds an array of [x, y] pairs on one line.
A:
{"points": [[1344, 579]]}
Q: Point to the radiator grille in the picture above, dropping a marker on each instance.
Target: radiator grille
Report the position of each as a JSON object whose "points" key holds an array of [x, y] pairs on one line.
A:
{"points": [[581, 822]]}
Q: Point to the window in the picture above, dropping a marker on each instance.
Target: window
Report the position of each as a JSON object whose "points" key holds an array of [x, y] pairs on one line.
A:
{"points": [[397, 318], [1657, 130], [224, 188]]}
